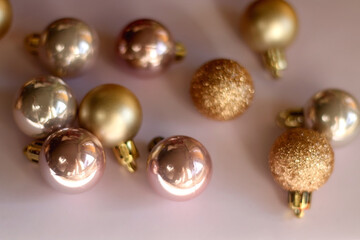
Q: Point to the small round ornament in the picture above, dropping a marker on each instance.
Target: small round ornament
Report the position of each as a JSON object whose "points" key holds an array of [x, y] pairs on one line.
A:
{"points": [[301, 161], [43, 105], [5, 17], [113, 114], [332, 112], [222, 89], [179, 167], [269, 27], [67, 46], [71, 160], [148, 47]]}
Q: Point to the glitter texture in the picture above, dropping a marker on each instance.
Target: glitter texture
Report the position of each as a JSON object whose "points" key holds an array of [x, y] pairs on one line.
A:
{"points": [[222, 89], [301, 160]]}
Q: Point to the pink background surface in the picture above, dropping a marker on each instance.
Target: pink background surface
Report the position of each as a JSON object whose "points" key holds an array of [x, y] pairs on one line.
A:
{"points": [[242, 201]]}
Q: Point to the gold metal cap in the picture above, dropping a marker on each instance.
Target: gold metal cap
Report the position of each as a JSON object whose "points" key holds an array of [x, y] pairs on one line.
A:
{"points": [[180, 51], [32, 43], [291, 118], [274, 60], [299, 202], [126, 153], [32, 151]]}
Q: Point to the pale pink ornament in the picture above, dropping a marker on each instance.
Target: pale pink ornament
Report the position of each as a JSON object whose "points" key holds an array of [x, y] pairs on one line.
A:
{"points": [[179, 168], [72, 160]]}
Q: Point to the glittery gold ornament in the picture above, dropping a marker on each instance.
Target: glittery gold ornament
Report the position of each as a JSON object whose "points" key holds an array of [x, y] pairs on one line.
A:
{"points": [[301, 160], [222, 89]]}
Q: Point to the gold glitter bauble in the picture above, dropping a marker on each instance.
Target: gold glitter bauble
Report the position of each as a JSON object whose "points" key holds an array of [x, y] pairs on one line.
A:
{"points": [[301, 160], [222, 89]]}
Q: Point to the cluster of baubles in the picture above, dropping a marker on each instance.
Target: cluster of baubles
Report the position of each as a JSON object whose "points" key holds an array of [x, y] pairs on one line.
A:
{"points": [[302, 159], [73, 160]]}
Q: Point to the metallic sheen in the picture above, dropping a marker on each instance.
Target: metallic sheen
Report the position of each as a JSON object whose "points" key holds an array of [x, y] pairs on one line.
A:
{"points": [[112, 113], [32, 151], [222, 89], [126, 153], [43, 105], [299, 202], [335, 113], [268, 27], [5, 17], [146, 45], [72, 160], [290, 118], [301, 160], [179, 168], [67, 46]]}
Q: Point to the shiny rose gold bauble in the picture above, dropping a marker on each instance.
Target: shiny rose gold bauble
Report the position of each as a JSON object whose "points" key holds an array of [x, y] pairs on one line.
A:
{"points": [[301, 160], [5, 17], [222, 89], [268, 27], [66, 47], [146, 45], [43, 105], [179, 168], [71, 160]]}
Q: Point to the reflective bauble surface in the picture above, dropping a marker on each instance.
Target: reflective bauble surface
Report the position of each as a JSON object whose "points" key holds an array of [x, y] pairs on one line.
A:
{"points": [[335, 113], [147, 46], [67, 47], [43, 105], [72, 160], [179, 168]]}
